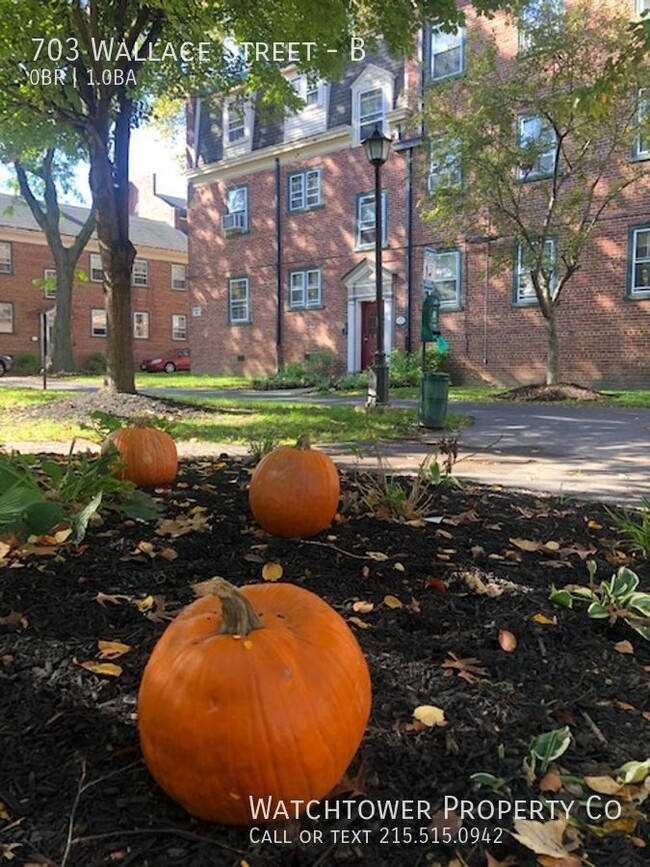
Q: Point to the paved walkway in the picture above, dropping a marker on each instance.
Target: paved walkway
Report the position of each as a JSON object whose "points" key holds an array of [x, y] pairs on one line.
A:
{"points": [[580, 451]]}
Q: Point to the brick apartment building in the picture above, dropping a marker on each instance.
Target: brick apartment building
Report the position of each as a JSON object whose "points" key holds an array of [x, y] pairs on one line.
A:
{"points": [[281, 242], [160, 308]]}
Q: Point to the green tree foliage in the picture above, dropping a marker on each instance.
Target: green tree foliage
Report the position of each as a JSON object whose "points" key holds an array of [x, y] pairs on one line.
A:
{"points": [[71, 67], [533, 149]]}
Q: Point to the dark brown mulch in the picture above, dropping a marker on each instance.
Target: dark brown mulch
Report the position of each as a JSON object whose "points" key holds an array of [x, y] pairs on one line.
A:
{"points": [[75, 793], [552, 393]]}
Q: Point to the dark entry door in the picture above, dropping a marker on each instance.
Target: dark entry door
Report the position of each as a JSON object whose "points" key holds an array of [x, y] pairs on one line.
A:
{"points": [[368, 333]]}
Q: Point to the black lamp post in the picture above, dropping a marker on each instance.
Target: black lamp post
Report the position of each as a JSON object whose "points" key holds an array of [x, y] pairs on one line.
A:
{"points": [[377, 148]]}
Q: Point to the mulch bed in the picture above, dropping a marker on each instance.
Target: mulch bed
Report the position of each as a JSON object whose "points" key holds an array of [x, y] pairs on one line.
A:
{"points": [[74, 790], [561, 391]]}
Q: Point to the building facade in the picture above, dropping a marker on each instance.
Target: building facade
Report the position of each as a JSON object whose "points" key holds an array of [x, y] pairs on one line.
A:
{"points": [[160, 307], [281, 242]]}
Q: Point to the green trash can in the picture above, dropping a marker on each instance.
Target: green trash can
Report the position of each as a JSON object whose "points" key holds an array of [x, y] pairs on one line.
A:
{"points": [[434, 393]]}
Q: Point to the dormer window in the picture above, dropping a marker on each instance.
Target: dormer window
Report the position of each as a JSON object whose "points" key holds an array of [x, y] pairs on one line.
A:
{"points": [[309, 90], [237, 127], [372, 100]]}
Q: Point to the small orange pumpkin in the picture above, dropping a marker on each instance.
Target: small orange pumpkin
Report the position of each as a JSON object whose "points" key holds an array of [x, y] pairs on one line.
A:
{"points": [[258, 693], [148, 456], [294, 491]]}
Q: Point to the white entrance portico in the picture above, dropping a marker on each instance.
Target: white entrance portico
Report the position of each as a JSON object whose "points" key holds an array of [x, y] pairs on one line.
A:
{"points": [[361, 287]]}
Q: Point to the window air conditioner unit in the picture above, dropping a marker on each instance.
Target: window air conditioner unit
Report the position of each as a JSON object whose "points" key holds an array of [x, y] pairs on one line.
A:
{"points": [[234, 222]]}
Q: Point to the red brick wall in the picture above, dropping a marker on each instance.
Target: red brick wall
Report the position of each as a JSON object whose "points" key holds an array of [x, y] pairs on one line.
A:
{"points": [[603, 334], [29, 261]]}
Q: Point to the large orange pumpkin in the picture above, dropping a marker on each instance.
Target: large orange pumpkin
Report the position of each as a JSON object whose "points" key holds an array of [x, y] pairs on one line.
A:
{"points": [[294, 491], [148, 456], [258, 693]]}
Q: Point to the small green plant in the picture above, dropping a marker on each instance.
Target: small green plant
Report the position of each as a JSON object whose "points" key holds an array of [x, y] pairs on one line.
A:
{"points": [[261, 445], [405, 368], [636, 526], [40, 499], [321, 366], [395, 497], [613, 599], [544, 749]]}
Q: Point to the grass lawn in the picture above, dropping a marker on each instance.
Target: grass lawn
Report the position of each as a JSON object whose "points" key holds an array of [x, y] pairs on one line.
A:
{"points": [[240, 421]]}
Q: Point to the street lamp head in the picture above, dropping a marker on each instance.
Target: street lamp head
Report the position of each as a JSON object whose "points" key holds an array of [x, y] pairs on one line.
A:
{"points": [[377, 147]]}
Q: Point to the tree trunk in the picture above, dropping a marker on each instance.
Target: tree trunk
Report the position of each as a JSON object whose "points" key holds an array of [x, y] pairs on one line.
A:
{"points": [[61, 349], [553, 349], [109, 188]]}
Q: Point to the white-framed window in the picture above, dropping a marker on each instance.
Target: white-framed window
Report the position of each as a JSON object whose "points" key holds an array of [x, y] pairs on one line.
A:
{"points": [[447, 53], [372, 100], [49, 277], [179, 277], [304, 190], [639, 283], [445, 273], [98, 322], [305, 288], [140, 325], [6, 265], [444, 164], [524, 289], [140, 272], [235, 220], [365, 233], [179, 326], [641, 149], [235, 123], [6, 317], [238, 300], [308, 89], [537, 142], [372, 112], [96, 270], [538, 16]]}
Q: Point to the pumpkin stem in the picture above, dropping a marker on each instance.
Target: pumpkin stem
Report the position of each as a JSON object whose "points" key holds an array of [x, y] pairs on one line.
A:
{"points": [[238, 616], [303, 443]]}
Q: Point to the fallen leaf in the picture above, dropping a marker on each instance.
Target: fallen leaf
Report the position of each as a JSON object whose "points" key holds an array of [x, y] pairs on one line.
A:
{"points": [[436, 584], [363, 607], [399, 567], [113, 598], [477, 551], [14, 618], [444, 824], [624, 646], [542, 838], [4, 813], [602, 785], [526, 544], [507, 641], [552, 861], [379, 556], [429, 715], [106, 669], [552, 546], [393, 602], [169, 554], [359, 622], [467, 668], [478, 585], [594, 525], [550, 782], [145, 604], [491, 861], [544, 620], [112, 649], [272, 571]]}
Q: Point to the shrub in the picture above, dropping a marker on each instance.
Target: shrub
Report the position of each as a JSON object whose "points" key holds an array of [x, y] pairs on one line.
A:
{"points": [[321, 365], [26, 364], [406, 367], [94, 363]]}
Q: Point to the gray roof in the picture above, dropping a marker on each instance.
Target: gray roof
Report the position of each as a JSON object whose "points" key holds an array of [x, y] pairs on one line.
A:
{"points": [[15, 214], [174, 201]]}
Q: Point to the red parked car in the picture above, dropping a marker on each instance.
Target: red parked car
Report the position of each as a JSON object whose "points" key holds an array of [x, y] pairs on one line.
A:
{"points": [[178, 359]]}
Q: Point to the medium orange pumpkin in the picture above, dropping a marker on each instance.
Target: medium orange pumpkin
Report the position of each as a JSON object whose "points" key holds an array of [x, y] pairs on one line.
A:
{"points": [[255, 693], [148, 456], [294, 491]]}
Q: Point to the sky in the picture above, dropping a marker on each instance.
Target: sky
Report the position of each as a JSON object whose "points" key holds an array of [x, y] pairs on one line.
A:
{"points": [[149, 154]]}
